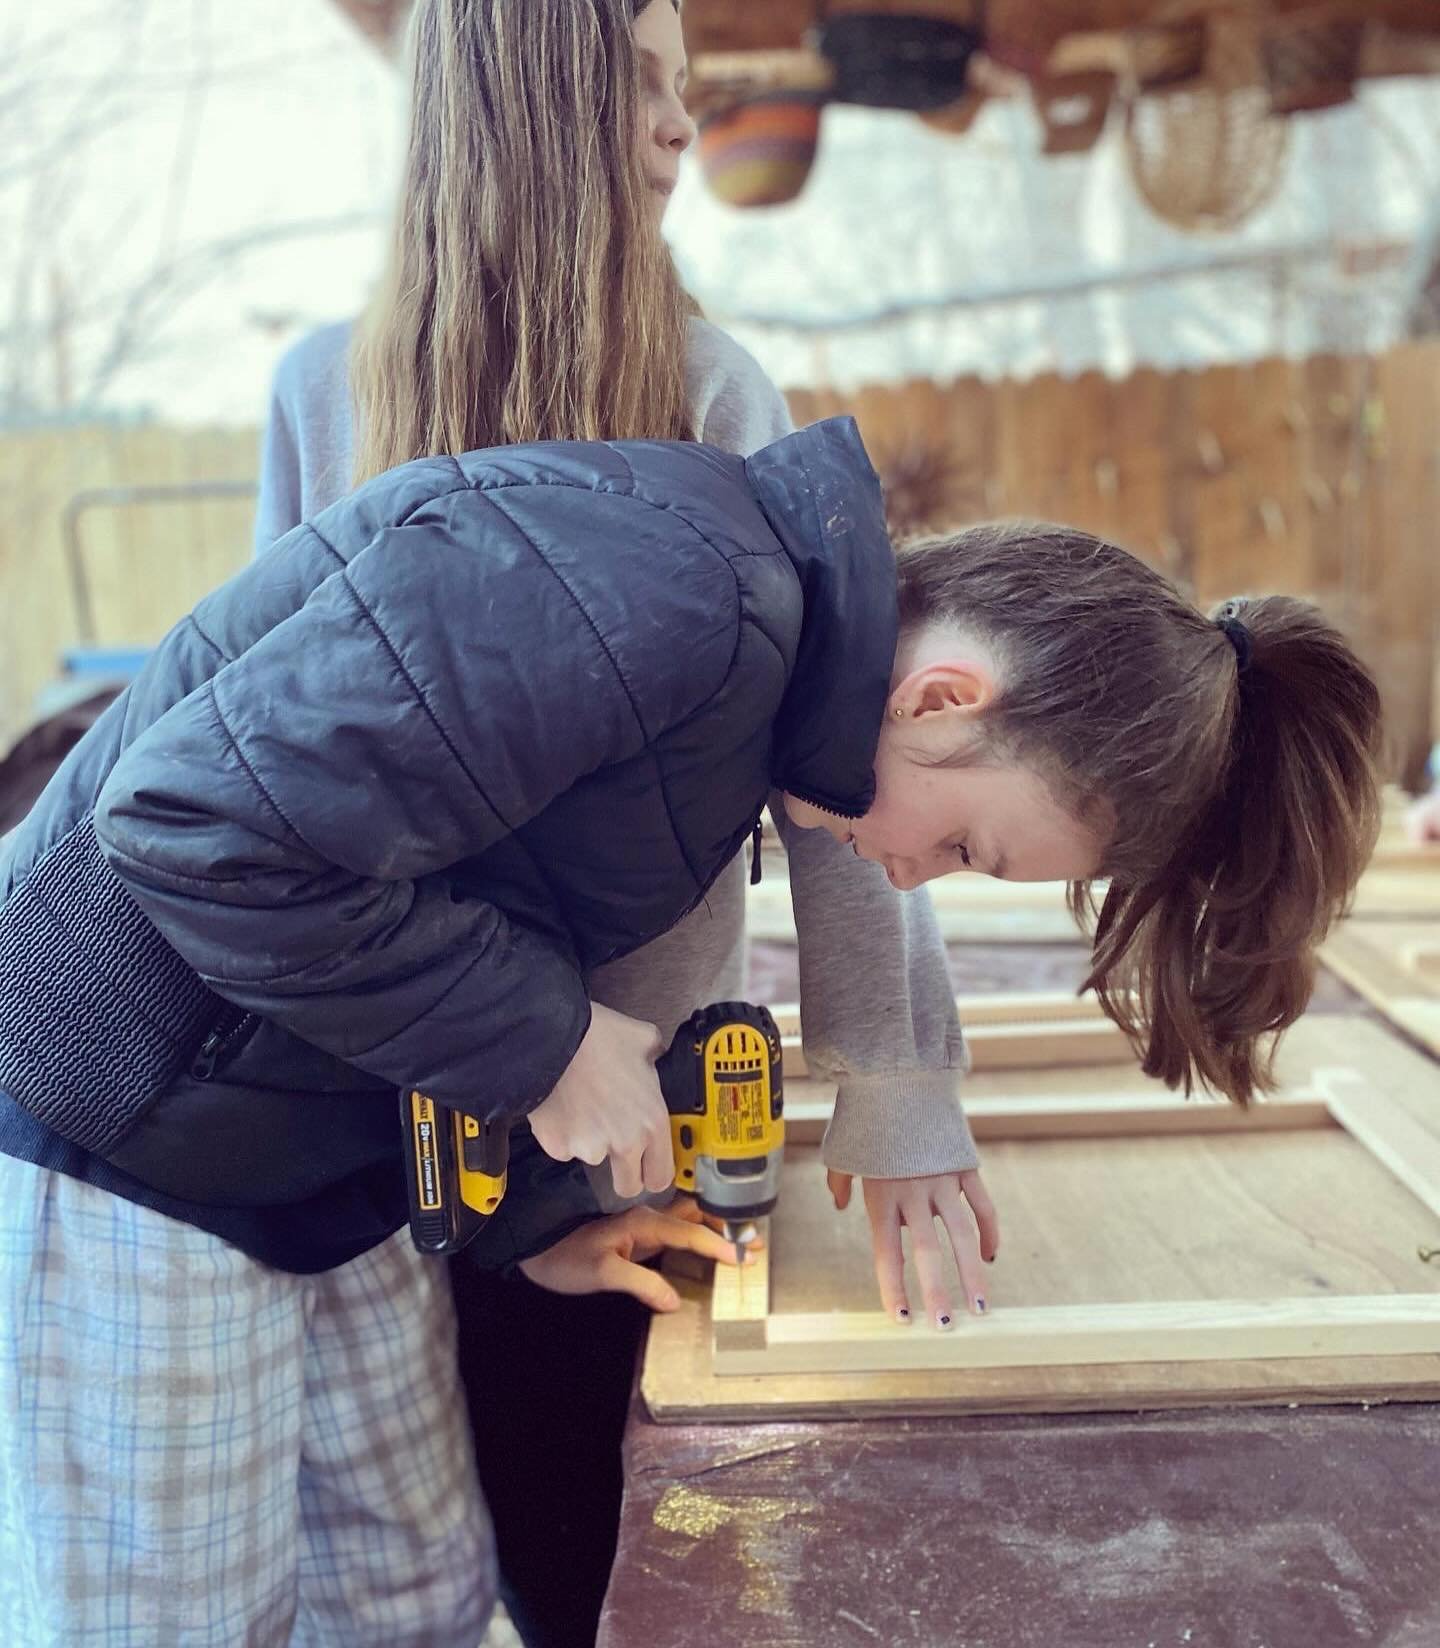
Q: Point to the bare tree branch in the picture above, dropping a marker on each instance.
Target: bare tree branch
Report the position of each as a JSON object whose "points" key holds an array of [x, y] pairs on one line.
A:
{"points": [[152, 304], [91, 294]]}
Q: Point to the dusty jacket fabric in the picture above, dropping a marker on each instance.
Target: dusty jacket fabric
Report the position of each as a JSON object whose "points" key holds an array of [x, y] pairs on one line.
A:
{"points": [[387, 795]]}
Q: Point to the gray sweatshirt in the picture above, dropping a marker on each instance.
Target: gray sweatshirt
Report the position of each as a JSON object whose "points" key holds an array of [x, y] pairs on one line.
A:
{"points": [[877, 1012]]}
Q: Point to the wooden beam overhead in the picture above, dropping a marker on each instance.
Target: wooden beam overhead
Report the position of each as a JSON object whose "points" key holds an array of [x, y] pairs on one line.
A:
{"points": [[723, 26]]}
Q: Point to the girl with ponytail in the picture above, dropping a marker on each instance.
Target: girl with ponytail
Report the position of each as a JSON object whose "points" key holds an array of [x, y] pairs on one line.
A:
{"points": [[1059, 710], [387, 812]]}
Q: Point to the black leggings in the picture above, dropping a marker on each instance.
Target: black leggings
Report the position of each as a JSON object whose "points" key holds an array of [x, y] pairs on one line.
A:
{"points": [[548, 1379]]}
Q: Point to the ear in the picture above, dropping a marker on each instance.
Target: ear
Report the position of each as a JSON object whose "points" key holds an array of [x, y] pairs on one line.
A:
{"points": [[936, 693]]}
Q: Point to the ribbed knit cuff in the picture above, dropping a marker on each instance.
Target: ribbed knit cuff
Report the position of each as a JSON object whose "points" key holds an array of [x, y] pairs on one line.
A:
{"points": [[899, 1126]]}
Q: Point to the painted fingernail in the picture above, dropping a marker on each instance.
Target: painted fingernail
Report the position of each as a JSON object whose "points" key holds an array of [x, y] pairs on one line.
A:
{"points": [[902, 1313], [980, 1307], [942, 1322]]}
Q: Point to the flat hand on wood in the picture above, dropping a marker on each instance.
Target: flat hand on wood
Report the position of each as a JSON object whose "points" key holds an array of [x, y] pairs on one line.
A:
{"points": [[960, 1204]]}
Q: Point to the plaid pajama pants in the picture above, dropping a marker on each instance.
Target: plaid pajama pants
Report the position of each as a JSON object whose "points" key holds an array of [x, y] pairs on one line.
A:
{"points": [[200, 1452]]}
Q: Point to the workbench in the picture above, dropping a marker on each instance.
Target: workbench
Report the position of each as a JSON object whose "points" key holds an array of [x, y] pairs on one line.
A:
{"points": [[1243, 1528], [1235, 1527]]}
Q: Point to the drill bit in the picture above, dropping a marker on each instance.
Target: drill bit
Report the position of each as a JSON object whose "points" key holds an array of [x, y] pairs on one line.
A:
{"points": [[740, 1233]]}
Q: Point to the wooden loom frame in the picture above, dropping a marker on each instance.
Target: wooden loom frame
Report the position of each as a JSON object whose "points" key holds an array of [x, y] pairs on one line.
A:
{"points": [[746, 1339]]}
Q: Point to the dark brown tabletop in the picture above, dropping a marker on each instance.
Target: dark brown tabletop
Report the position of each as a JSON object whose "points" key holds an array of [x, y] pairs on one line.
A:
{"points": [[1242, 1528]]}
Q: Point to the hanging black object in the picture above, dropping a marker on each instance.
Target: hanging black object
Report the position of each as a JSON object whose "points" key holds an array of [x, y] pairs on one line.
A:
{"points": [[890, 62]]}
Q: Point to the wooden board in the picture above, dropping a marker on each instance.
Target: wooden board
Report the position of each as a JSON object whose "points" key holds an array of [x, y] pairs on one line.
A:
{"points": [[1402, 882], [993, 1007], [1010, 1030], [1220, 1258], [1034, 1058], [969, 908], [1078, 1103], [1086, 1336], [1401, 891], [1395, 966]]}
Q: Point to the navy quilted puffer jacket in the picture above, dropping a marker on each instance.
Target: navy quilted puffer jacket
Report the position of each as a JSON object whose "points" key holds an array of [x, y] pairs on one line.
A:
{"points": [[374, 808]]}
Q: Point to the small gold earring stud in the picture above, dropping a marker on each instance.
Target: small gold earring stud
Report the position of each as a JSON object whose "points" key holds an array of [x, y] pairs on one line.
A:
{"points": [[899, 712]]}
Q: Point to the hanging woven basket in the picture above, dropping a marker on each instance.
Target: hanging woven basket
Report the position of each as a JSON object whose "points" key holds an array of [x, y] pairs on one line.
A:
{"points": [[1210, 154], [1167, 52], [760, 152], [891, 60], [1311, 61]]}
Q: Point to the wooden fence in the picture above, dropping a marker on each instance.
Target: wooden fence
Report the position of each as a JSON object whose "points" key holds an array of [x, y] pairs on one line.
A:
{"points": [[1319, 477], [144, 564]]}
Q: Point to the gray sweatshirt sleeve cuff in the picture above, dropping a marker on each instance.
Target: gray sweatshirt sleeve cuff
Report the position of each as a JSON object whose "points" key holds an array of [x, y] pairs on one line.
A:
{"points": [[900, 1126]]}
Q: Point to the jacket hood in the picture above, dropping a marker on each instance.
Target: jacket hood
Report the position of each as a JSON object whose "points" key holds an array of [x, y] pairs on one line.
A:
{"points": [[822, 498]]}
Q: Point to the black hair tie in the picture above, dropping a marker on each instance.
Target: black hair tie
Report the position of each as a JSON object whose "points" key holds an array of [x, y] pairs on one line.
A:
{"points": [[1239, 637]]}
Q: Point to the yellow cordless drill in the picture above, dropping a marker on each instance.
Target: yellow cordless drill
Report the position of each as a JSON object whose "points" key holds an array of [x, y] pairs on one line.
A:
{"points": [[721, 1080], [723, 1086]]}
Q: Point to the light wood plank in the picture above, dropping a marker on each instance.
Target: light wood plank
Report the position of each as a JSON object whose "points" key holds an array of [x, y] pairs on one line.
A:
{"points": [[1399, 893], [1420, 1019], [1017, 1046], [1047, 1046], [679, 1384], [1092, 1336], [968, 909], [1095, 1115], [1410, 1150], [1370, 962], [1407, 856], [1394, 967], [993, 1007], [740, 1299]]}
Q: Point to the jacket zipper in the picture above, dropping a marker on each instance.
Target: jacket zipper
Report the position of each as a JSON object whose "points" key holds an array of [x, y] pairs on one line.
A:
{"points": [[849, 814], [233, 1027], [755, 851]]}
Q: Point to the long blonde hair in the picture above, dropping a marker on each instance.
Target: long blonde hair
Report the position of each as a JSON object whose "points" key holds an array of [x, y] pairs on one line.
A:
{"points": [[529, 294]]}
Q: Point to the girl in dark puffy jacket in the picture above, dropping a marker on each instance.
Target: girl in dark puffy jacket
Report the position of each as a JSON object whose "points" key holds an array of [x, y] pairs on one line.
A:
{"points": [[365, 822], [517, 183]]}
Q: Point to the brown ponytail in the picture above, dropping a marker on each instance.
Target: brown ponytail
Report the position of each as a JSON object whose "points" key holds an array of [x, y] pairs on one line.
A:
{"points": [[1228, 761]]}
